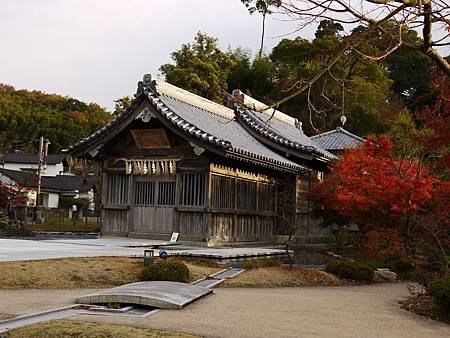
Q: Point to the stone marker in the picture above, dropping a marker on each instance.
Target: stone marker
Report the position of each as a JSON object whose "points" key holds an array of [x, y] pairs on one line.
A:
{"points": [[158, 294], [384, 275]]}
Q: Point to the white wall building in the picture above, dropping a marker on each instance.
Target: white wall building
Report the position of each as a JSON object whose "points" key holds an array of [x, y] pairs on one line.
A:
{"points": [[29, 162]]}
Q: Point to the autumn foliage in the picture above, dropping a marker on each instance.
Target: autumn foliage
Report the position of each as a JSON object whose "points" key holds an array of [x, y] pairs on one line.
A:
{"points": [[11, 195], [387, 197]]}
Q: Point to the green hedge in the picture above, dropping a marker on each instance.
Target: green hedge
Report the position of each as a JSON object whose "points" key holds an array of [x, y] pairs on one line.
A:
{"points": [[439, 291], [171, 270], [351, 270]]}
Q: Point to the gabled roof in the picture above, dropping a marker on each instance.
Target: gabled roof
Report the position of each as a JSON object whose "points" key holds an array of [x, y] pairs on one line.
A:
{"points": [[21, 177], [338, 139], [30, 158], [48, 183], [198, 120], [63, 182], [278, 128]]}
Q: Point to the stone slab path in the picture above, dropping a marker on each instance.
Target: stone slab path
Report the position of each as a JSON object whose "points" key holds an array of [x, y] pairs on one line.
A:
{"points": [[156, 294], [18, 250]]}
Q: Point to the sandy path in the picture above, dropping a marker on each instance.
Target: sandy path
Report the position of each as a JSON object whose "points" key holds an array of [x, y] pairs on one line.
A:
{"points": [[20, 302], [364, 311]]}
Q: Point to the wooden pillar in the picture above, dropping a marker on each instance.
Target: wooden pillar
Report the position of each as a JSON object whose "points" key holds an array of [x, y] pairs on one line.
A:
{"points": [[130, 193]]}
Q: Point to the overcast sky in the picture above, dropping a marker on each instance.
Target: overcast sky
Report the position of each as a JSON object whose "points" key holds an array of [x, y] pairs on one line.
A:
{"points": [[97, 50]]}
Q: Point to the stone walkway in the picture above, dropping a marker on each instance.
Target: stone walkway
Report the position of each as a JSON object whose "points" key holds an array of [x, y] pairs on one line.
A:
{"points": [[17, 250]]}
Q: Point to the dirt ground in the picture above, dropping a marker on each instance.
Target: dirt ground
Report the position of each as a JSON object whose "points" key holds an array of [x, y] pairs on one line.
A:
{"points": [[349, 311]]}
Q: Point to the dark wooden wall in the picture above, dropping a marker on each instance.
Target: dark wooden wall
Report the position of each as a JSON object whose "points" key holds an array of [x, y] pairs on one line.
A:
{"points": [[205, 199]]}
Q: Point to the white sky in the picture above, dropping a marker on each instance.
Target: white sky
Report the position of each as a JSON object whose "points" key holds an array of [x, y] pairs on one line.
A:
{"points": [[97, 50]]}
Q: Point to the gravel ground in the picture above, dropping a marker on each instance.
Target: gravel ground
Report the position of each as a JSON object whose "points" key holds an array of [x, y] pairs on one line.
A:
{"points": [[21, 302], [357, 311]]}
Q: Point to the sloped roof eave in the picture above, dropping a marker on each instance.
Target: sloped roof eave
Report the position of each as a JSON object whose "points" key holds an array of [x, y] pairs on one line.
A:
{"points": [[265, 131], [338, 139], [217, 144]]}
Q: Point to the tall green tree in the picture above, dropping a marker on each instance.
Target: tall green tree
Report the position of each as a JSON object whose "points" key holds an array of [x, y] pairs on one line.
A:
{"points": [[254, 77], [200, 67], [262, 7], [26, 115], [354, 86]]}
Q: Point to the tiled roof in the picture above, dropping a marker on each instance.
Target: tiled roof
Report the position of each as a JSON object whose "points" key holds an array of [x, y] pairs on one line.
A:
{"points": [[63, 182], [49, 183], [200, 119], [214, 126], [338, 139], [21, 177], [30, 158], [278, 127]]}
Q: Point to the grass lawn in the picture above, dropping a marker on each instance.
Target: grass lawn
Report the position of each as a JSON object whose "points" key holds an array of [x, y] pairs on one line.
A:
{"points": [[106, 272], [88, 272], [283, 277], [75, 329]]}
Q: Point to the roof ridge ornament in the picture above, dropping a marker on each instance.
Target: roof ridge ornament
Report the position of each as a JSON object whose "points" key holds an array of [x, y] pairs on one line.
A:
{"points": [[146, 85], [299, 125]]}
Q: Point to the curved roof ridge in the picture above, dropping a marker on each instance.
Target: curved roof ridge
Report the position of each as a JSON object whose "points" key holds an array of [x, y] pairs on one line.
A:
{"points": [[248, 117], [195, 100], [338, 130], [232, 150], [264, 108], [180, 122]]}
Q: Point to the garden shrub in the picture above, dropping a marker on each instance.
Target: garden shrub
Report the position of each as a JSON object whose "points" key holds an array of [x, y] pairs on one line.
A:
{"points": [[351, 270], [403, 267], [250, 264], [171, 270], [439, 291]]}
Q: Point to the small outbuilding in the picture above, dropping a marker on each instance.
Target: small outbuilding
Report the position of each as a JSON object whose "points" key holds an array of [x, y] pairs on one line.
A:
{"points": [[337, 141]]}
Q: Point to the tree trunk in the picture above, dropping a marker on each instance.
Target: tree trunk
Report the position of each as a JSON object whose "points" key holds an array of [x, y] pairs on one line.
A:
{"points": [[262, 34]]}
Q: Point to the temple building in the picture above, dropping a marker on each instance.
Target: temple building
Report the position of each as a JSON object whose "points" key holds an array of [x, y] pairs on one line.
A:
{"points": [[176, 162]]}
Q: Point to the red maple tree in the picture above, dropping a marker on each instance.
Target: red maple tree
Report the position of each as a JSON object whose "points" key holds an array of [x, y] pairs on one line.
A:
{"points": [[12, 195], [435, 120], [385, 196]]}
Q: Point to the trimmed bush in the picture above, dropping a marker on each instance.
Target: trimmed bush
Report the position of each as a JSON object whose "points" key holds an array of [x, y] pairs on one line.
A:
{"points": [[439, 291], [250, 264], [351, 270], [171, 270]]}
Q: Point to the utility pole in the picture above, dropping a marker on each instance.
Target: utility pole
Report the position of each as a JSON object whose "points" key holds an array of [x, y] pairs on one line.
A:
{"points": [[42, 160]]}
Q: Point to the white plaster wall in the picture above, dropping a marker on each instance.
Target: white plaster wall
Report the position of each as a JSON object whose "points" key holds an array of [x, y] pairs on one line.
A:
{"points": [[50, 170], [53, 200], [50, 200]]}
